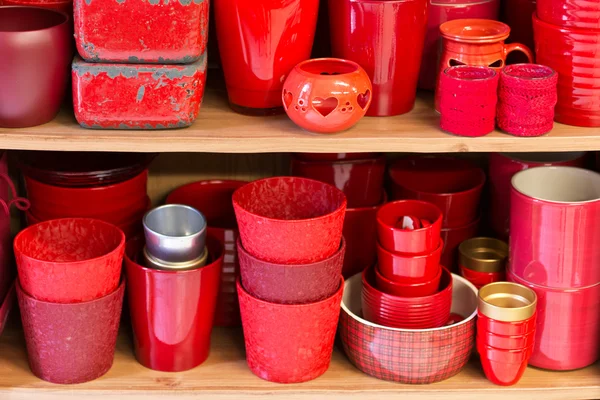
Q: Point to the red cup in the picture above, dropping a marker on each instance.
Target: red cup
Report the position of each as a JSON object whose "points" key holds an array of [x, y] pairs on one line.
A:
{"points": [[69, 260], [172, 312], [518, 328], [408, 289], [407, 268], [417, 241], [452, 238], [289, 220], [503, 367], [291, 284], [289, 343], [480, 279], [387, 43], [505, 342], [71, 343], [360, 180]]}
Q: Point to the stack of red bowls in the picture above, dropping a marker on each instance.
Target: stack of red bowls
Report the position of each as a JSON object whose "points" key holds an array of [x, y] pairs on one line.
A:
{"points": [[360, 176], [505, 330], [454, 185], [291, 255]]}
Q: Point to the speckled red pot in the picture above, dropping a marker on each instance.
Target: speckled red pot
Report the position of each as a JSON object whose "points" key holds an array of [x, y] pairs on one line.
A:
{"points": [[289, 343], [290, 220]]}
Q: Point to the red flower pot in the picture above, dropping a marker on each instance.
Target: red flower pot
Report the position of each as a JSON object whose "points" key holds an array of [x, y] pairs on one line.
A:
{"points": [[452, 238], [172, 312], [83, 333], [408, 289], [503, 367], [408, 268], [387, 43], [290, 220], [570, 13], [31, 37], [260, 42], [289, 343]]}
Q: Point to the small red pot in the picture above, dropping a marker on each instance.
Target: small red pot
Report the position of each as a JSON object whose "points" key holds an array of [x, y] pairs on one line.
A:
{"points": [[518, 328], [407, 268], [69, 260], [71, 343], [480, 279], [291, 284], [505, 342], [288, 220], [408, 289], [583, 14], [452, 238], [289, 343], [503, 367]]}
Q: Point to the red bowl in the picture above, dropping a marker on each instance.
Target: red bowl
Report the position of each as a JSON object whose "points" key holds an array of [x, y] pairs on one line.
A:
{"points": [[505, 328], [409, 269], [407, 289], [480, 279], [452, 238], [289, 220], [417, 241], [505, 342], [453, 185], [335, 156], [583, 14]]}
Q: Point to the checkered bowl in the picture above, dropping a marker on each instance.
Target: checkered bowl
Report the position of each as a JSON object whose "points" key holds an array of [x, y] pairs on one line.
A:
{"points": [[414, 356]]}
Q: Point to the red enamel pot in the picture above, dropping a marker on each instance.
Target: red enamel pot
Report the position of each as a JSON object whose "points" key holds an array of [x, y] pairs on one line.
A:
{"points": [[408, 289], [452, 238], [407, 269]]}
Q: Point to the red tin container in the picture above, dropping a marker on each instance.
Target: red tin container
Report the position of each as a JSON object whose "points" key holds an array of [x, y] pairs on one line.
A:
{"points": [[503, 367], [289, 343], [452, 238], [71, 343], [387, 43], [584, 14], [69, 260], [172, 312], [420, 288], [290, 220], [138, 31], [260, 42], [409, 268], [137, 96]]}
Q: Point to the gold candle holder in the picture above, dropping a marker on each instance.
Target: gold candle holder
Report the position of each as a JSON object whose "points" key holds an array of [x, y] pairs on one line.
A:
{"points": [[155, 263], [483, 254], [507, 301]]}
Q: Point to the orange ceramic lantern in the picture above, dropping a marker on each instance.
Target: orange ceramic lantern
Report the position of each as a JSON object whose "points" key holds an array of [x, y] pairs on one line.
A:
{"points": [[326, 95]]}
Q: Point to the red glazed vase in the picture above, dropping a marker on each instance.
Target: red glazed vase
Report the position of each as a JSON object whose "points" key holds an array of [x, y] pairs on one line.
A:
{"points": [[326, 95], [260, 42], [584, 14], [386, 39], [137, 96]]}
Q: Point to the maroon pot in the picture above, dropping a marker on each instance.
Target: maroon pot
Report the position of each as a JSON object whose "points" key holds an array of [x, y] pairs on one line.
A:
{"points": [[36, 51]]}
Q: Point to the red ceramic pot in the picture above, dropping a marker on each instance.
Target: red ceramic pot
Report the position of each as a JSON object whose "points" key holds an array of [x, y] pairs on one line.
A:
{"points": [[289, 220], [6, 304], [30, 37], [480, 279], [568, 326], [452, 238], [335, 156], [452, 184], [554, 231], [518, 342], [326, 95], [575, 54], [409, 268], [503, 367], [69, 260], [84, 333], [503, 328], [503, 166], [360, 180], [408, 289], [291, 284], [583, 14], [521, 28], [387, 43], [260, 42], [289, 343], [172, 312], [416, 241]]}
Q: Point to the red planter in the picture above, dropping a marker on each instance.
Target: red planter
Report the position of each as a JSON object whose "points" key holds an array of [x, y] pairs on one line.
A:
{"points": [[452, 238], [387, 43], [421, 288], [260, 42], [289, 343], [140, 31], [137, 96], [570, 13], [409, 268], [83, 333]]}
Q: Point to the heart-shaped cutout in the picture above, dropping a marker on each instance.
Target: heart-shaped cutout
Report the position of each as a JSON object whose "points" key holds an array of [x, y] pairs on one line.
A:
{"points": [[287, 98], [363, 99], [325, 106]]}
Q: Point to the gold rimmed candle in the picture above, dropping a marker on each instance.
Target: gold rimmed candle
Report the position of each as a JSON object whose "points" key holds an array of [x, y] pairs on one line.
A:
{"points": [[507, 301]]}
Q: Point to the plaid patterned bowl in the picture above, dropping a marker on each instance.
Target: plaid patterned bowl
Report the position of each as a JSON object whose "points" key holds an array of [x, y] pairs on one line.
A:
{"points": [[405, 355]]}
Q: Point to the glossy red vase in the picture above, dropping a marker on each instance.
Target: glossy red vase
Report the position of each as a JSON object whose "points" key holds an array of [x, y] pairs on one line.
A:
{"points": [[386, 39], [260, 42], [36, 49]]}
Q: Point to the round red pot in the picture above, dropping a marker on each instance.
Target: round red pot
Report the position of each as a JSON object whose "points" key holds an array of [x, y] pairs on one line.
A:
{"points": [[84, 333], [503, 367], [30, 37], [388, 44], [408, 289], [452, 238], [407, 268], [505, 342], [69, 260], [570, 13], [289, 343], [172, 312], [518, 328], [480, 279], [288, 220], [335, 156], [291, 284]]}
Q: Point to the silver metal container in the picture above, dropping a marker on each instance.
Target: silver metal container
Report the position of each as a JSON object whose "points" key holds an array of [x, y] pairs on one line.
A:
{"points": [[155, 263]]}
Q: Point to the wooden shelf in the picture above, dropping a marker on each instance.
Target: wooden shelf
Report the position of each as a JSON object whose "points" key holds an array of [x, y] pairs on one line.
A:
{"points": [[220, 130], [225, 376]]}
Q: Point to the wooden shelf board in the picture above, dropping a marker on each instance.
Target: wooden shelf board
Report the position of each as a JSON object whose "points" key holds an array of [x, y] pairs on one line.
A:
{"points": [[220, 130], [225, 376]]}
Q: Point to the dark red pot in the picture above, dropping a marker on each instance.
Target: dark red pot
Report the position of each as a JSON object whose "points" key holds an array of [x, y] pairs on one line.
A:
{"points": [[387, 43], [452, 238], [172, 312], [480, 279], [71, 343], [260, 42], [29, 38], [404, 288]]}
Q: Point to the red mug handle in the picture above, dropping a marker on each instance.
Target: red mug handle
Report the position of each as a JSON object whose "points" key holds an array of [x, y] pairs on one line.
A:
{"points": [[509, 48]]}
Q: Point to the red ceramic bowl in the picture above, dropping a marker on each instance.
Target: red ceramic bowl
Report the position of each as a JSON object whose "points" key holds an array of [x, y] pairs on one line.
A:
{"points": [[452, 238], [453, 185], [505, 342], [288, 220], [480, 279], [69, 260], [417, 241], [360, 180], [407, 268], [408, 289], [506, 328], [335, 156], [570, 13]]}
